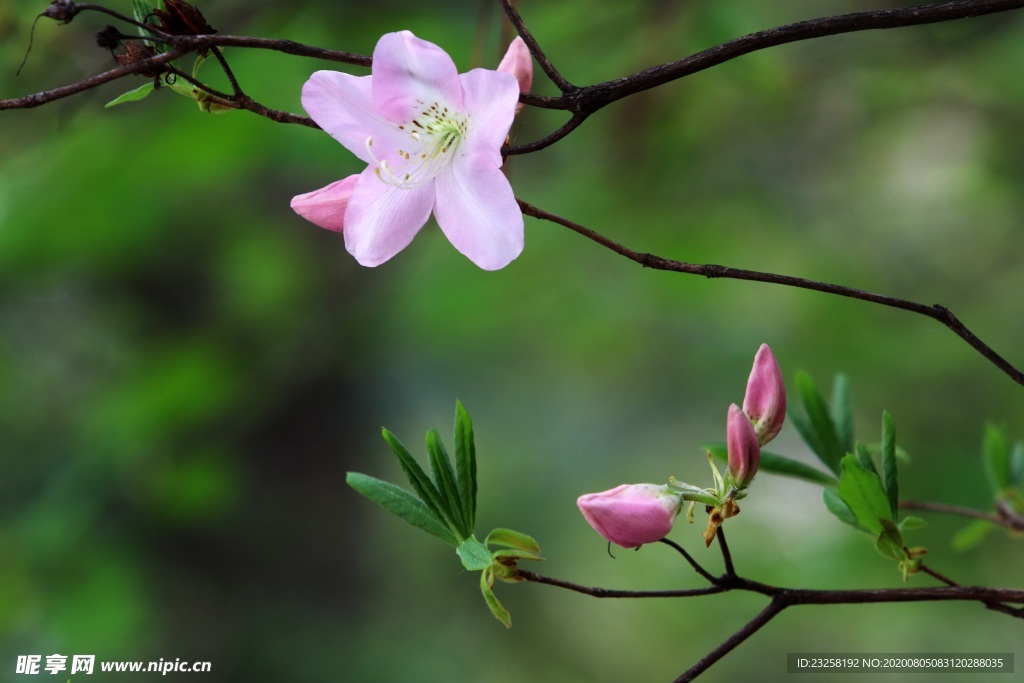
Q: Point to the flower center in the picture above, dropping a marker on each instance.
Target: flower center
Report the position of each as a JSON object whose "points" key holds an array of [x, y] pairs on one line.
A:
{"points": [[433, 138]]}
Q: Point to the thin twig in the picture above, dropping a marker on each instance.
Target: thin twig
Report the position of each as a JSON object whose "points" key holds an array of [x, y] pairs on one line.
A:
{"points": [[689, 558], [935, 312], [611, 593], [730, 571], [1005, 517], [542, 59]]}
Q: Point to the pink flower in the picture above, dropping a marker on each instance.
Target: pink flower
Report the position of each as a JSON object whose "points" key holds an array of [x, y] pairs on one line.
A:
{"points": [[631, 514], [431, 138], [744, 450], [765, 400]]}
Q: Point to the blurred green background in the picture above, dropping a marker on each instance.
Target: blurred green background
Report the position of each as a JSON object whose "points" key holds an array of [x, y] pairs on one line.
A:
{"points": [[187, 368]]}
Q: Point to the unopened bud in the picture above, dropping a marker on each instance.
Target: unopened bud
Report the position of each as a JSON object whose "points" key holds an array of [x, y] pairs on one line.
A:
{"points": [[743, 446], [631, 514], [765, 400]]}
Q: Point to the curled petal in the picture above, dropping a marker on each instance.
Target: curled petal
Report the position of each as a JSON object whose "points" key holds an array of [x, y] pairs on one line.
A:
{"points": [[326, 207], [631, 514], [765, 399], [744, 449]]}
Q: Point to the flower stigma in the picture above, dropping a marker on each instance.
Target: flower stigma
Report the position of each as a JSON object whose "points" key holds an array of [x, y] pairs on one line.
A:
{"points": [[434, 137]]}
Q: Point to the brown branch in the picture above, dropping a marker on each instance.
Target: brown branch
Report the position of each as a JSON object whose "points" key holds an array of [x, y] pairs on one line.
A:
{"points": [[749, 629], [535, 49], [782, 598], [40, 98], [587, 100], [935, 312]]}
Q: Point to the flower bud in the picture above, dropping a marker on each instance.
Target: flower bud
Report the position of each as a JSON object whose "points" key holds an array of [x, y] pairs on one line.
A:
{"points": [[519, 62], [631, 514], [765, 400], [744, 450]]}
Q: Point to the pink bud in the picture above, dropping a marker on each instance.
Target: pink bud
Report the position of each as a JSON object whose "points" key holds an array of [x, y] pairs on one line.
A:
{"points": [[631, 514], [744, 450], [518, 62], [765, 400]]}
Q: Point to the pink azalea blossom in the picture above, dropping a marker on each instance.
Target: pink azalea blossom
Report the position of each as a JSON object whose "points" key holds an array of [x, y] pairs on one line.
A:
{"points": [[631, 514], [765, 400], [431, 138], [744, 449]]}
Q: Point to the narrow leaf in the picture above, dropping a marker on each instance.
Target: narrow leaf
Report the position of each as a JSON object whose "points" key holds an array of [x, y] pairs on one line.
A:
{"points": [[996, 450], [474, 555], [972, 534], [842, 412], [512, 539], [444, 480], [779, 464], [892, 489], [825, 442], [421, 483], [837, 507], [400, 502], [465, 462], [1017, 465], [911, 523], [131, 96], [497, 609], [862, 491]]}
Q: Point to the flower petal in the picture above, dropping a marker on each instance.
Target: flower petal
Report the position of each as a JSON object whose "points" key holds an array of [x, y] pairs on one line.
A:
{"points": [[326, 207], [409, 74], [490, 98], [342, 104], [477, 211], [382, 219], [519, 62]]}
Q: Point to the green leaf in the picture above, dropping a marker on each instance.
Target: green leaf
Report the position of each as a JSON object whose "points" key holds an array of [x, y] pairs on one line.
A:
{"points": [[691, 492], [1017, 465], [131, 96], [892, 489], [863, 454], [972, 534], [512, 539], [996, 449], [444, 480], [474, 555], [400, 502], [421, 483], [825, 441], [497, 609], [862, 491], [837, 507], [516, 553], [779, 464], [911, 523], [141, 11], [842, 412], [465, 462], [890, 541]]}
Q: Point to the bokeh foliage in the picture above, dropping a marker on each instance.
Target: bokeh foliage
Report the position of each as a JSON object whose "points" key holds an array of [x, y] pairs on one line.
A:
{"points": [[187, 369]]}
